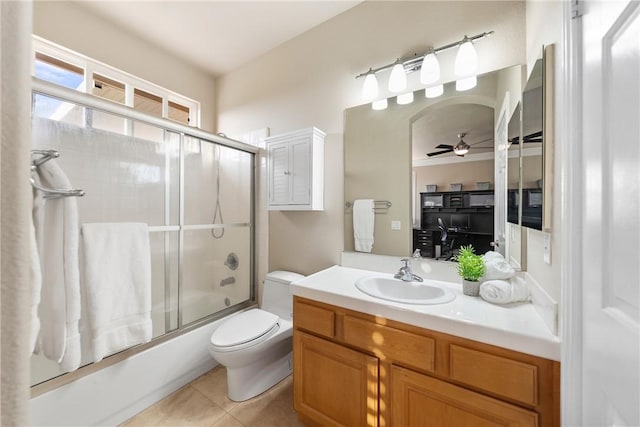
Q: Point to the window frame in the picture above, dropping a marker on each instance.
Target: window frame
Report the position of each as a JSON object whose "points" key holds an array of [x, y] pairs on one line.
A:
{"points": [[131, 82]]}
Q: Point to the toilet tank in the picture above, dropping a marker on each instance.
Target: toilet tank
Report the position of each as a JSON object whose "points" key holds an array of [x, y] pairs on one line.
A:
{"points": [[277, 296]]}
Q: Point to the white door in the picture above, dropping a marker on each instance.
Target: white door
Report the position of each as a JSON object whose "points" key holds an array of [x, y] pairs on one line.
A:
{"points": [[501, 157], [611, 213]]}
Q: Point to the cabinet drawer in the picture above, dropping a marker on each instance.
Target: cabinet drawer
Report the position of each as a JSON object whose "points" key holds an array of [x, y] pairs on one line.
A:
{"points": [[505, 377], [420, 400], [314, 319], [390, 344]]}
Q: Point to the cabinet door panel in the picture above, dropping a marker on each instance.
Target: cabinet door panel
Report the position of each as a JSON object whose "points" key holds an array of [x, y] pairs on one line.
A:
{"points": [[333, 385], [279, 176], [420, 400], [300, 172]]}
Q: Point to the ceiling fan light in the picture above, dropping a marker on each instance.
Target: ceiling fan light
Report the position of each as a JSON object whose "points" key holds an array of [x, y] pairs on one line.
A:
{"points": [[398, 78], [370, 87], [466, 58], [460, 151], [380, 104], [434, 91], [466, 83], [430, 70], [405, 98]]}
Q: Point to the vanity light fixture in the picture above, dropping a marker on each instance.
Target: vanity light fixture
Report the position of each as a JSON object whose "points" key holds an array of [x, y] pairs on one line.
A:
{"points": [[370, 87], [398, 77], [466, 58], [430, 69], [466, 83], [427, 63], [380, 104], [434, 91], [405, 98]]}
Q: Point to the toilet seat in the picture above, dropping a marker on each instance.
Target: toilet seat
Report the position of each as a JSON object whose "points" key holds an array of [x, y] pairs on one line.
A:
{"points": [[244, 330]]}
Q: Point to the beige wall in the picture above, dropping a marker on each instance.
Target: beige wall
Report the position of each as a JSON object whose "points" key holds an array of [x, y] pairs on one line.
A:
{"points": [[444, 175], [544, 26], [71, 25], [310, 80]]}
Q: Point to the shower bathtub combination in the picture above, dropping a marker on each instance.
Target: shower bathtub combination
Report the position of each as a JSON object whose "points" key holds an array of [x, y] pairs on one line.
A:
{"points": [[195, 192]]}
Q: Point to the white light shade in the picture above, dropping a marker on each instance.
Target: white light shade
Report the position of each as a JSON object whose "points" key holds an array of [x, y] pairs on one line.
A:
{"points": [[430, 71], [398, 78], [466, 59], [405, 98], [370, 87], [434, 91], [380, 104], [466, 84]]}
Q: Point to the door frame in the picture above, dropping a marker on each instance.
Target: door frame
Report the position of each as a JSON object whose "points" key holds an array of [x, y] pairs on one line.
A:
{"points": [[569, 134]]}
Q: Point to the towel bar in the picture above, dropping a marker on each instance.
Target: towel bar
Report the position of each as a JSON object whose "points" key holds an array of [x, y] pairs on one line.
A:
{"points": [[49, 193], [387, 204]]}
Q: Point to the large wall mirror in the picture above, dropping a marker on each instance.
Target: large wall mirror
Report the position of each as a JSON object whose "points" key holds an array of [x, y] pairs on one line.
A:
{"points": [[386, 154]]}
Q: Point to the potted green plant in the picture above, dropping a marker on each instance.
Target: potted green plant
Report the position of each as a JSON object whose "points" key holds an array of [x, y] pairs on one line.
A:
{"points": [[471, 269]]}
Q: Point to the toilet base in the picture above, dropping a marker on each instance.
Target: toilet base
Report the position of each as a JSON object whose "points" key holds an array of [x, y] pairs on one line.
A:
{"points": [[249, 381]]}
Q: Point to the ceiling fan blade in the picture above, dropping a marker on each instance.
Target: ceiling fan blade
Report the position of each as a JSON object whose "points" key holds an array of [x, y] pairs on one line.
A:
{"points": [[435, 153], [444, 146]]}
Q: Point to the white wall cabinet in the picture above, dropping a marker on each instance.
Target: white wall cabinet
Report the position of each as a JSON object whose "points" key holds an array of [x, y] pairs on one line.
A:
{"points": [[296, 170]]}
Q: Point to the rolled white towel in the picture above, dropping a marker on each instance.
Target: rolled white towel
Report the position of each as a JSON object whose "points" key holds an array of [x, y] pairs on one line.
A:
{"points": [[504, 291], [496, 267]]}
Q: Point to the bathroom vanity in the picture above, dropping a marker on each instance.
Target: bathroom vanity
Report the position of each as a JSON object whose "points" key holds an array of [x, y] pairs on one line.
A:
{"points": [[362, 361]]}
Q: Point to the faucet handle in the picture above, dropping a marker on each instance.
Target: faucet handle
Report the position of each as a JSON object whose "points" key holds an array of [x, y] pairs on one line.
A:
{"points": [[406, 262]]}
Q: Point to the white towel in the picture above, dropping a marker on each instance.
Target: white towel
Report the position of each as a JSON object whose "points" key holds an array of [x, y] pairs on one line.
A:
{"points": [[59, 309], [36, 289], [117, 285], [496, 267], [504, 291], [363, 223]]}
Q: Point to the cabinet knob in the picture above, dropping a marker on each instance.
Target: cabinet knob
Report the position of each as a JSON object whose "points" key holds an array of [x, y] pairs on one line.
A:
{"points": [[287, 173], [495, 244]]}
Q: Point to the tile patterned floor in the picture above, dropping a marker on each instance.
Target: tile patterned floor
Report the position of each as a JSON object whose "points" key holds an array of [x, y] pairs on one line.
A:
{"points": [[204, 403]]}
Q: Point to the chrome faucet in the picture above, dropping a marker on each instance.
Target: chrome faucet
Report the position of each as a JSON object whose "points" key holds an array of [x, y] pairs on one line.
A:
{"points": [[405, 274]]}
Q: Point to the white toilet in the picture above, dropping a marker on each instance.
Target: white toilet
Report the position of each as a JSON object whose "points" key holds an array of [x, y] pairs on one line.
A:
{"points": [[256, 345]]}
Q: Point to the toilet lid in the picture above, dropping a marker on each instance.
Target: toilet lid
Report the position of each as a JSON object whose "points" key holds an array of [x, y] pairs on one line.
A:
{"points": [[244, 327]]}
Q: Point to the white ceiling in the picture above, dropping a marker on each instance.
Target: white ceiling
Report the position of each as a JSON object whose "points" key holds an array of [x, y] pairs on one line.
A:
{"points": [[218, 36], [442, 125]]}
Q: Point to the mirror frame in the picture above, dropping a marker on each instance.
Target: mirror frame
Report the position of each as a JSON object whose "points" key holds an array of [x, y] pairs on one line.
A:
{"points": [[548, 84]]}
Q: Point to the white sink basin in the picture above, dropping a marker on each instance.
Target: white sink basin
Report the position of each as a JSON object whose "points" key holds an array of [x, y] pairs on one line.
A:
{"points": [[406, 292]]}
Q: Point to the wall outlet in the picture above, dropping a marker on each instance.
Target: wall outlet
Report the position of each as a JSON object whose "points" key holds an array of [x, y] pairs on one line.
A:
{"points": [[395, 225], [546, 247]]}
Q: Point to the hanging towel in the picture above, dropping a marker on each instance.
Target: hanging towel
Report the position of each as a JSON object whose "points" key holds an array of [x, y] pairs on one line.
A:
{"points": [[36, 288], [363, 222], [504, 291], [58, 233], [496, 267], [37, 219], [117, 285]]}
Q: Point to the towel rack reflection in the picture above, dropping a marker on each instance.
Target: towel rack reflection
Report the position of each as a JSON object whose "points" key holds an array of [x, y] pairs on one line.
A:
{"points": [[378, 205], [49, 193]]}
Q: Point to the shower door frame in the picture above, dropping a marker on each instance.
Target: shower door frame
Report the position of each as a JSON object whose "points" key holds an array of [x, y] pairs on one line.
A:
{"points": [[84, 100]]}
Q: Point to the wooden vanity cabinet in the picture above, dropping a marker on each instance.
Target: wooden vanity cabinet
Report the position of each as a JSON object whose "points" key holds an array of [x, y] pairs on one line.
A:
{"points": [[354, 369]]}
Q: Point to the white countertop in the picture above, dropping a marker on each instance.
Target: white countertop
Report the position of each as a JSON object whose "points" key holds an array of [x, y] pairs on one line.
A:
{"points": [[514, 326]]}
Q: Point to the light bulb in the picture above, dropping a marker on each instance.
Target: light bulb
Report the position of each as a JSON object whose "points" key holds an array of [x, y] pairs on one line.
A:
{"points": [[434, 91], [380, 104], [398, 78], [430, 71], [466, 83], [405, 98], [370, 86], [466, 58]]}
